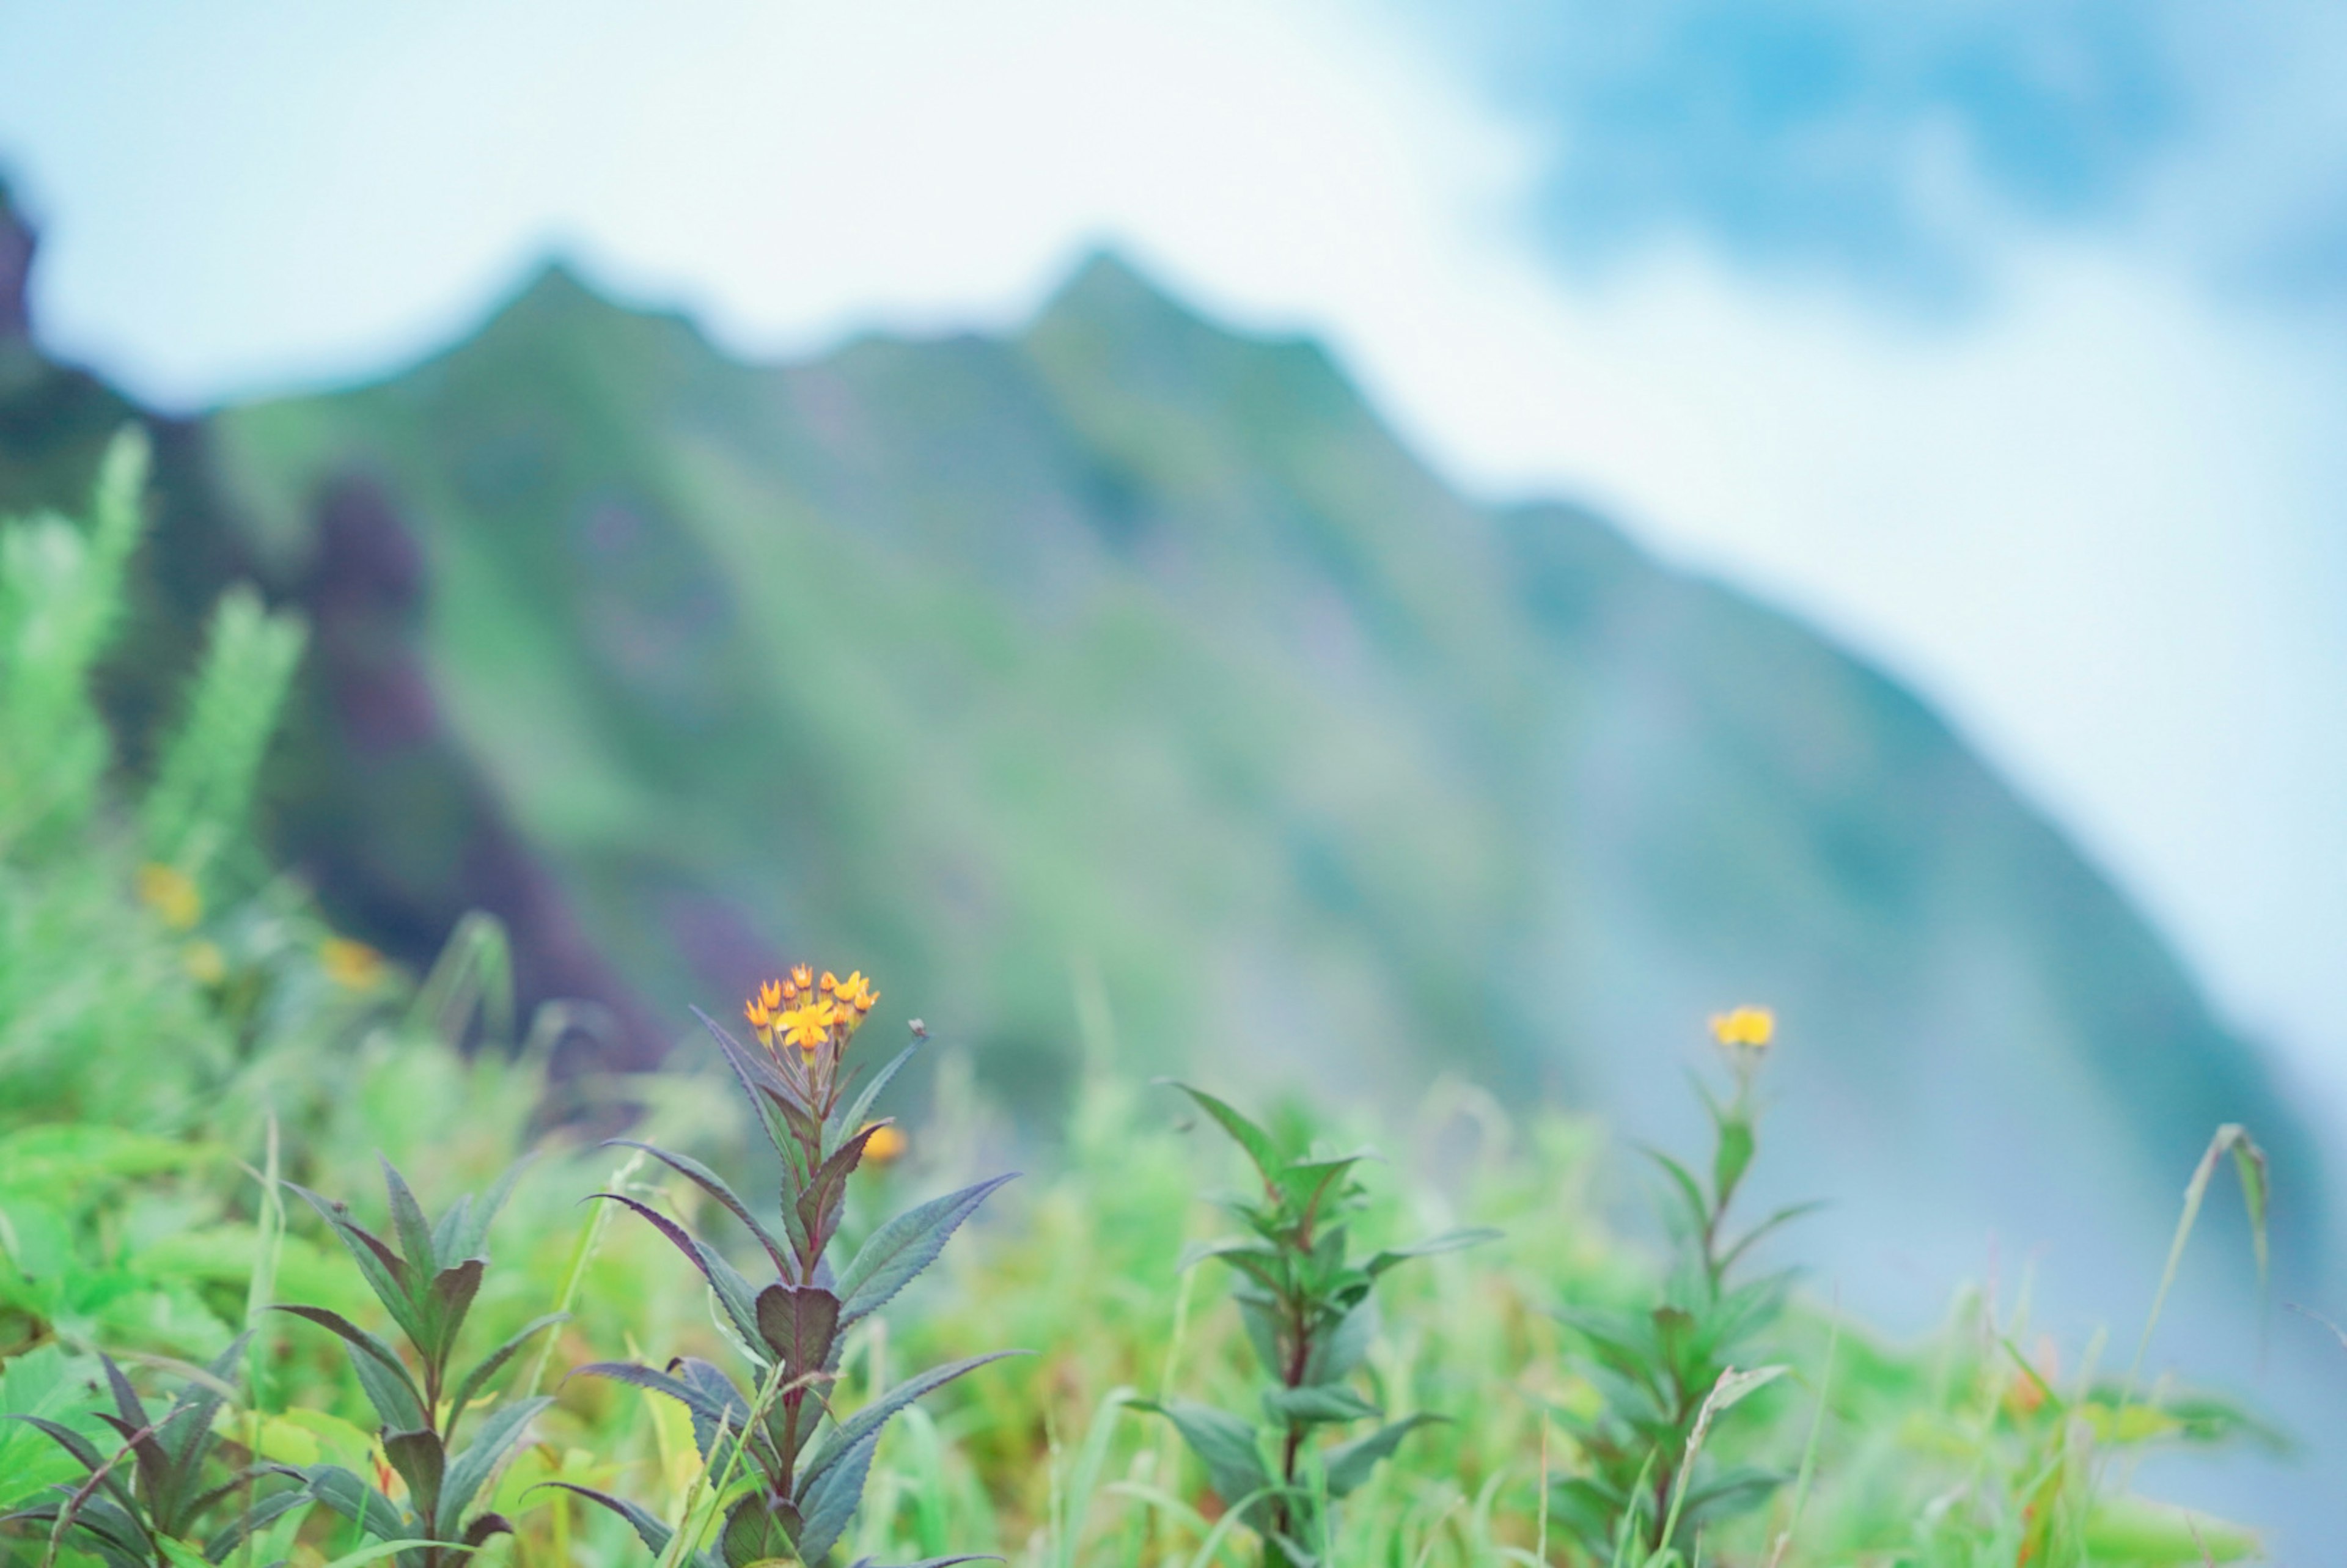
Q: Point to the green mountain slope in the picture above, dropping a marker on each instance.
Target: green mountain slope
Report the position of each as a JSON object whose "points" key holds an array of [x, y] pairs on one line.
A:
{"points": [[1131, 647]]}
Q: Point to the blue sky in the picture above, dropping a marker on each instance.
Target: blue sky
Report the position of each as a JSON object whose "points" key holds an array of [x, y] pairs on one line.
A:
{"points": [[2003, 338]]}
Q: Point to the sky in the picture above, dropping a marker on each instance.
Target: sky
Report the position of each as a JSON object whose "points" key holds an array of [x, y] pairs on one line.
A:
{"points": [[2001, 339]]}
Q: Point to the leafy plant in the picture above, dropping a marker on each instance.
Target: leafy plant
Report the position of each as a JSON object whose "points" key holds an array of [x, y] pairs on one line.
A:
{"points": [[141, 1505], [1663, 1373], [1310, 1316], [427, 1287], [779, 1498]]}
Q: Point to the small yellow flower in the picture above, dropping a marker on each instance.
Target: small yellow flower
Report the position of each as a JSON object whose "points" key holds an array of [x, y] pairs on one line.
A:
{"points": [[855, 991], [351, 964], [172, 894], [203, 963], [760, 1010], [802, 975], [828, 984], [808, 1025], [885, 1145], [1749, 1027]]}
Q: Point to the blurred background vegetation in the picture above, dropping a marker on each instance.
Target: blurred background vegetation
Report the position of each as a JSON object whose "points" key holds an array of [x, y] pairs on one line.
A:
{"points": [[387, 766]]}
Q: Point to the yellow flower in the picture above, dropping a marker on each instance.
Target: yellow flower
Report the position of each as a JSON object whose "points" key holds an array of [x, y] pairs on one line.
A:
{"points": [[809, 1025], [351, 964], [172, 893], [885, 1145], [760, 1010], [801, 977], [855, 991], [829, 983], [203, 963], [1750, 1026]]}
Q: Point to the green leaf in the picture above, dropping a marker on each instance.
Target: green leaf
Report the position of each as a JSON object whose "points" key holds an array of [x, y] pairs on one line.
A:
{"points": [[1448, 1241], [732, 1290], [818, 1205], [798, 1323], [1731, 1157], [1306, 1182], [1336, 1350], [385, 1272], [382, 1375], [650, 1528], [1726, 1495], [500, 1432], [1321, 1402], [487, 1368], [1349, 1464], [266, 1510], [715, 1186], [1689, 1192], [446, 1302], [830, 1501], [868, 1420], [903, 1247], [851, 1114], [408, 1216], [755, 1533], [1225, 1444], [421, 1461], [357, 1502], [1246, 1134]]}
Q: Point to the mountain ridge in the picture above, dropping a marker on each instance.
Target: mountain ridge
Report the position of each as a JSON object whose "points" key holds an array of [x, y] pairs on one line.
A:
{"points": [[1128, 644]]}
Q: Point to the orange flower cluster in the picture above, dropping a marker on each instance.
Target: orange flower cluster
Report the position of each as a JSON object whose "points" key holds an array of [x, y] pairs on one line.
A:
{"points": [[812, 1014]]}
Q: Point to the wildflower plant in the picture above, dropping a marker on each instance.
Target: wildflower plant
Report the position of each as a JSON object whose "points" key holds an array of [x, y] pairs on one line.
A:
{"points": [[1311, 1316], [428, 1286], [1664, 1374], [782, 1493], [144, 1506]]}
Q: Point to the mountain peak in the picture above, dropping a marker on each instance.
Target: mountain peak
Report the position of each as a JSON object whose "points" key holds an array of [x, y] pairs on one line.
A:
{"points": [[1105, 287]]}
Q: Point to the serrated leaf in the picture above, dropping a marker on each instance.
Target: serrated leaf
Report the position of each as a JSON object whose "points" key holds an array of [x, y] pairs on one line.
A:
{"points": [[381, 1375], [500, 1432], [716, 1187], [902, 1248], [476, 1379], [851, 1114], [874, 1416], [650, 1528], [828, 1503], [732, 1290]]}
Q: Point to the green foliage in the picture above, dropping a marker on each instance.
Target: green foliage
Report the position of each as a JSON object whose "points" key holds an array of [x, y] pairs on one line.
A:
{"points": [[155, 1111], [1665, 1370], [428, 1286], [1311, 1317], [789, 1499], [61, 593]]}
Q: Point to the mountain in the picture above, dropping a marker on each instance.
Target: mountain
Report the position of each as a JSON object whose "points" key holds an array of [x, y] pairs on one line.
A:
{"points": [[1129, 649]]}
